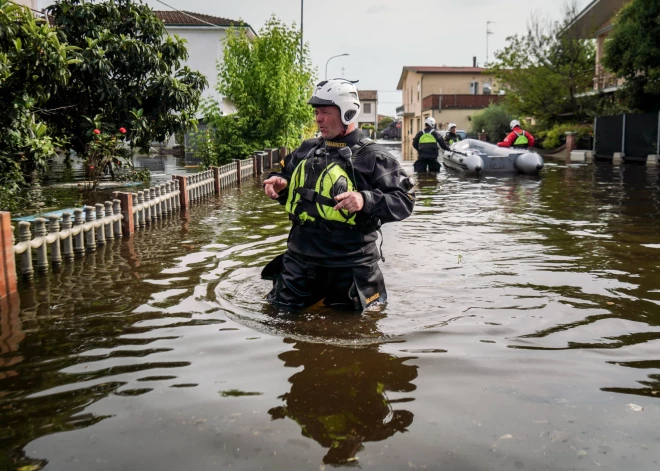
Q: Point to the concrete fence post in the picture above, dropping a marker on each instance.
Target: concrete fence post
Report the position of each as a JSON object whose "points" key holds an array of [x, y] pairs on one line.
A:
{"points": [[42, 251], [100, 234], [282, 153], [55, 252], [184, 203], [571, 145], [24, 235], [177, 196], [116, 209], [216, 179], [238, 172], [168, 201], [67, 243], [154, 208], [79, 239], [159, 205], [163, 204], [90, 235], [109, 231], [127, 221], [8, 277], [140, 213]]}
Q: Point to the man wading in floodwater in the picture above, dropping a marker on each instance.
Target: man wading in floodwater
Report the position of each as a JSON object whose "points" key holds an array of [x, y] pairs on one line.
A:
{"points": [[338, 189]]}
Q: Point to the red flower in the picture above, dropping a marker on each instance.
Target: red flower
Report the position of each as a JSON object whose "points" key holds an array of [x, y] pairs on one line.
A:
{"points": [[97, 131], [122, 130]]}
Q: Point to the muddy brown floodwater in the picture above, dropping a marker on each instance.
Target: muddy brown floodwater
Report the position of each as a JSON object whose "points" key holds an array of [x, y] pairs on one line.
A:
{"points": [[523, 332]]}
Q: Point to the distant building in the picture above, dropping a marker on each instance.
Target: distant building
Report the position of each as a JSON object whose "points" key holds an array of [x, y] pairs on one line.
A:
{"points": [[369, 110], [449, 94], [34, 4], [204, 34], [596, 22]]}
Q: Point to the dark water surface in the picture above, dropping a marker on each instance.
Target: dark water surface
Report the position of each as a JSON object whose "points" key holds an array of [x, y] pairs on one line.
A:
{"points": [[523, 332]]}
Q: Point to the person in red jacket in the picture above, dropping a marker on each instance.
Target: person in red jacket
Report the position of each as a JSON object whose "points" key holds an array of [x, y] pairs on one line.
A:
{"points": [[517, 138]]}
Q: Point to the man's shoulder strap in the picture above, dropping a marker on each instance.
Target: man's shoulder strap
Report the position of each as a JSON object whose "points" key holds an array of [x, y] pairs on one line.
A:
{"points": [[361, 145]]}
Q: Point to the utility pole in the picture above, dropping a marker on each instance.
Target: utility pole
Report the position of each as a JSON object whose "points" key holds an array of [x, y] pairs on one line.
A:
{"points": [[488, 33], [302, 4]]}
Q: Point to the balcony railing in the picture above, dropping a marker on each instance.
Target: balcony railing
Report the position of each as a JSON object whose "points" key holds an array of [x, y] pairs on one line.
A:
{"points": [[443, 102], [604, 79]]}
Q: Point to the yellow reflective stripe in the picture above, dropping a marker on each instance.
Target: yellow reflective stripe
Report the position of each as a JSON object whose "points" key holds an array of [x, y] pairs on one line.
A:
{"points": [[427, 139], [331, 175]]}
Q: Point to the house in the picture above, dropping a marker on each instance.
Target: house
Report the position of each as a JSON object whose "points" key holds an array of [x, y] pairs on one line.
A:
{"points": [[596, 22], [204, 34], [33, 4], [369, 110], [449, 94]]}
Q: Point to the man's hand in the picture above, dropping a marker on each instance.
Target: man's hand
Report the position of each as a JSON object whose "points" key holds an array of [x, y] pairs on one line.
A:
{"points": [[351, 201], [273, 186]]}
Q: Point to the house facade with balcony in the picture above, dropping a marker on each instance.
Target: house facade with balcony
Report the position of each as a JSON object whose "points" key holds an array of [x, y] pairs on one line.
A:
{"points": [[448, 94], [596, 21]]}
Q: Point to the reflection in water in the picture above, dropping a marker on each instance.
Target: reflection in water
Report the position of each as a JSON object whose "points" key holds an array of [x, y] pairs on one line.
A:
{"points": [[340, 398], [532, 306]]}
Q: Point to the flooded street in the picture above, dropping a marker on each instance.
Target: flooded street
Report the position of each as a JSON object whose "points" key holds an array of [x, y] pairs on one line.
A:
{"points": [[522, 332]]}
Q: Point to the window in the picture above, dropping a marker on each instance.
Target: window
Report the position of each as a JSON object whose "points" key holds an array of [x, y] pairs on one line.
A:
{"points": [[486, 88], [367, 107], [419, 89], [410, 129]]}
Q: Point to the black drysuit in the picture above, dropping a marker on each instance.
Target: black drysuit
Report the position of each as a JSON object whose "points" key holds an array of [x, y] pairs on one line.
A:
{"points": [[332, 260], [428, 152]]}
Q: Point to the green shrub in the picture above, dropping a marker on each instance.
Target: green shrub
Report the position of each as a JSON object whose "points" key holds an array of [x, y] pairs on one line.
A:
{"points": [[556, 135], [494, 121]]}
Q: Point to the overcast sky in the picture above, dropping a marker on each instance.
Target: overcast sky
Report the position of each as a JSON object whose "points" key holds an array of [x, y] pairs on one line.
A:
{"points": [[382, 36]]}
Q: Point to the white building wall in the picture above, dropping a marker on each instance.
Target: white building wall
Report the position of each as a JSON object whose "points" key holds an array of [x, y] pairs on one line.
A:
{"points": [[34, 4], [204, 52], [368, 117]]}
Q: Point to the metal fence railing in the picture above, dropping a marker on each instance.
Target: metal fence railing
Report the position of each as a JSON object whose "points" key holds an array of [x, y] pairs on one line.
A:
{"points": [[634, 136]]}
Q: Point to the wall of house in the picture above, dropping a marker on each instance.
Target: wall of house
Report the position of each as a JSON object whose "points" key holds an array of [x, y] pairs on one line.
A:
{"points": [[442, 84], [368, 117], [204, 51], [412, 102], [34, 4], [448, 84]]}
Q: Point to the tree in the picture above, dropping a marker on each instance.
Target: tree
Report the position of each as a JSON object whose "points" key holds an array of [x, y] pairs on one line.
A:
{"points": [[494, 121], [544, 71], [33, 68], [127, 74], [632, 52], [269, 83], [385, 122]]}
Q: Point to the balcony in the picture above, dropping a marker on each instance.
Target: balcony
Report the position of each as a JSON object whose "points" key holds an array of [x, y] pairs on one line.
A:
{"points": [[604, 79], [459, 102]]}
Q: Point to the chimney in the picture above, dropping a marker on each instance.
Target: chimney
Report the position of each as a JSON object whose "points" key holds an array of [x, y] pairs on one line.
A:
{"points": [[474, 61]]}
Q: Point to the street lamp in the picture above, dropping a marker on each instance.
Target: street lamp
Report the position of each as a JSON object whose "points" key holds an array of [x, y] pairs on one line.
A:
{"points": [[326, 63]]}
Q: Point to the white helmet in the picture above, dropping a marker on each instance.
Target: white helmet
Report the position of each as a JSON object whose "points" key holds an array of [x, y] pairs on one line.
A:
{"points": [[514, 123], [451, 125], [340, 93], [430, 121]]}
